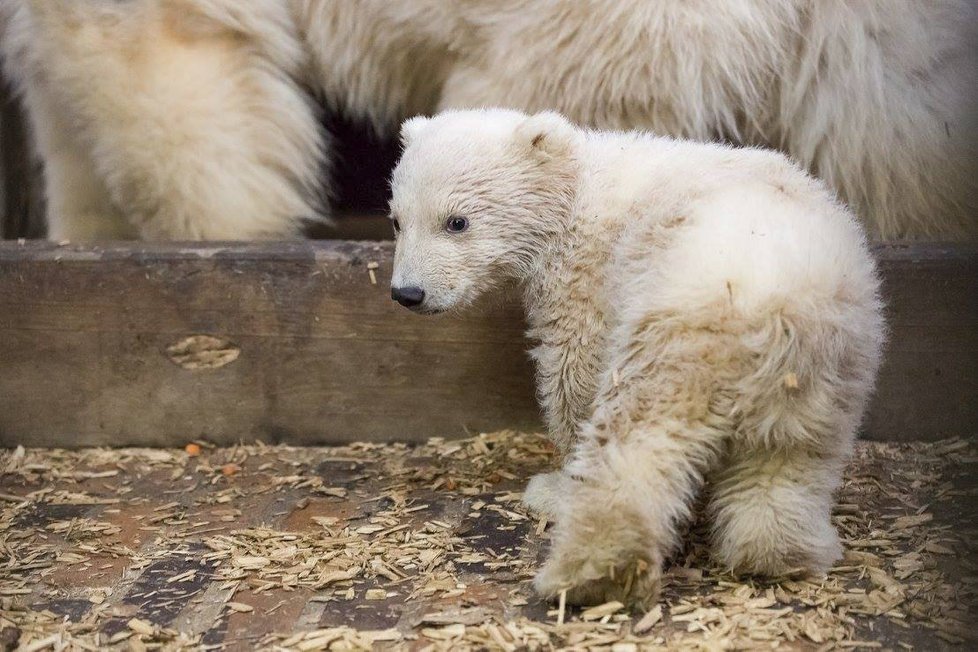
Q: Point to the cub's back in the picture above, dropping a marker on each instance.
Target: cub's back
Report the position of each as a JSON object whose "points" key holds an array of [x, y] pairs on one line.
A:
{"points": [[742, 225]]}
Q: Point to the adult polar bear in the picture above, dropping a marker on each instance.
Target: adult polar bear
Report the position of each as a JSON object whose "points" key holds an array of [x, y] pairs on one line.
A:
{"points": [[192, 119]]}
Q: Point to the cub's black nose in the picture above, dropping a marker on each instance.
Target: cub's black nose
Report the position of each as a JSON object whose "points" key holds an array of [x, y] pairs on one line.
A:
{"points": [[408, 297]]}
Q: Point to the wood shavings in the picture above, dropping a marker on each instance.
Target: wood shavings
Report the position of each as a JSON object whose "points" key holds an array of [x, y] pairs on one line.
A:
{"points": [[429, 545], [240, 607], [649, 620], [602, 610], [141, 627]]}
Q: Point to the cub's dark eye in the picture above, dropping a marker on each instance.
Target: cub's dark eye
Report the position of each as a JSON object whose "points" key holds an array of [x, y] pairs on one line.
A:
{"points": [[396, 224], [456, 224]]}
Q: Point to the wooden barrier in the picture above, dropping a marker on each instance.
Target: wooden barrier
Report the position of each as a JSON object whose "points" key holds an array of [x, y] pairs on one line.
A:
{"points": [[160, 344]]}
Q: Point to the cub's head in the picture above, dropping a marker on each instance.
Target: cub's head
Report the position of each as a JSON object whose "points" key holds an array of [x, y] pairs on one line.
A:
{"points": [[476, 197]]}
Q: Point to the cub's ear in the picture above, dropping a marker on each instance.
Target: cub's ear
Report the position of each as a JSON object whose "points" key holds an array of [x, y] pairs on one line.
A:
{"points": [[547, 135], [411, 128]]}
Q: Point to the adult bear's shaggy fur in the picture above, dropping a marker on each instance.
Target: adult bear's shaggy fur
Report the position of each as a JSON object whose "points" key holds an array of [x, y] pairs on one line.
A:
{"points": [[702, 313], [190, 118]]}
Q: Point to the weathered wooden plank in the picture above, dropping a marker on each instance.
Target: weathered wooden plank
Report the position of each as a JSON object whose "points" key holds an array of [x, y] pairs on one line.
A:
{"points": [[309, 350], [928, 385], [324, 353]]}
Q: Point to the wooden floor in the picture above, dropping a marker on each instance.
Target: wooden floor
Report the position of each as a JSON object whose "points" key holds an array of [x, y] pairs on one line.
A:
{"points": [[403, 547]]}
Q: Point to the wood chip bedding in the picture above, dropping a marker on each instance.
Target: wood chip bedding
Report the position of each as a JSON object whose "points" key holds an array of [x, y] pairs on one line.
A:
{"points": [[428, 547]]}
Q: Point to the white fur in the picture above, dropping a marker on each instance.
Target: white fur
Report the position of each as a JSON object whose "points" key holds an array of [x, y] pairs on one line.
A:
{"points": [[170, 120], [877, 97], [705, 316], [183, 118]]}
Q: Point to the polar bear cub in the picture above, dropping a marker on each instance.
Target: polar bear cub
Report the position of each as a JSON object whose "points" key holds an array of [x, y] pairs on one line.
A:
{"points": [[707, 321]]}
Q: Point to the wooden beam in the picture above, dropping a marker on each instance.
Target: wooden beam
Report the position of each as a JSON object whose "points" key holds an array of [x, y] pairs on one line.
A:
{"points": [[159, 344], [928, 384], [87, 337]]}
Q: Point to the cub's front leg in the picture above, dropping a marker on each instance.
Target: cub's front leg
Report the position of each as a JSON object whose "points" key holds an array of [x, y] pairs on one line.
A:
{"points": [[566, 386], [629, 485], [545, 491]]}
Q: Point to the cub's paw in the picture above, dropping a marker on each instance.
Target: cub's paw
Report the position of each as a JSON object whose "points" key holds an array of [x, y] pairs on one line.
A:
{"points": [[636, 584], [544, 492]]}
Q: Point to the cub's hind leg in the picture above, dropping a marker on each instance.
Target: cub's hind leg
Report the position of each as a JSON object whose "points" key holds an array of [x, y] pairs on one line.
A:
{"points": [[772, 496], [770, 511]]}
